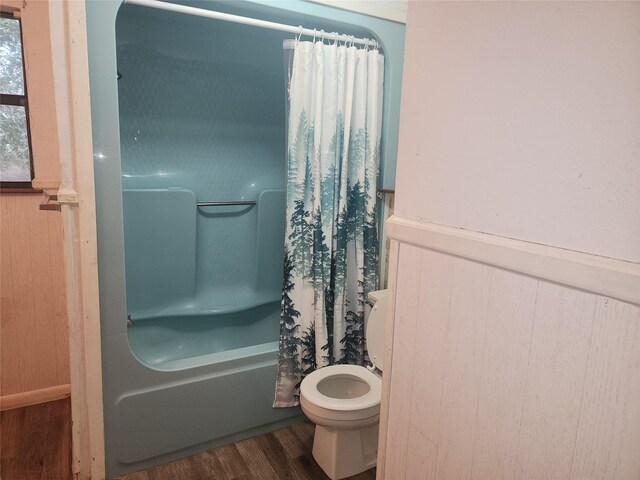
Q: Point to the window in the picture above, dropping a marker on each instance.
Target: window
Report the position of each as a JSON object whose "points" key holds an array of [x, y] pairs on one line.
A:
{"points": [[16, 169]]}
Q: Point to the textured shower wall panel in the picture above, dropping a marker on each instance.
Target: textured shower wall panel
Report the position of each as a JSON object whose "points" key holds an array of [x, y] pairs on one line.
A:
{"points": [[160, 247], [202, 108], [271, 226]]}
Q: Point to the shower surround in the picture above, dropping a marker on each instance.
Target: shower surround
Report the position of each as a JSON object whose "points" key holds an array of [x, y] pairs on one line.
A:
{"points": [[190, 295]]}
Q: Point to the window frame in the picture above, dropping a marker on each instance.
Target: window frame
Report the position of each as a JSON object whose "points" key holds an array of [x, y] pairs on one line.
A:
{"points": [[19, 101]]}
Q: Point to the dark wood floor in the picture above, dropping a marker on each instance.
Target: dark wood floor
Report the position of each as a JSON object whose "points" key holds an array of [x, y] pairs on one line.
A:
{"points": [[280, 455], [35, 442]]}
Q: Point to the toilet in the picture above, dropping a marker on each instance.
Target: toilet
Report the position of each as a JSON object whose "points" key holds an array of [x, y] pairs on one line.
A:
{"points": [[344, 403]]}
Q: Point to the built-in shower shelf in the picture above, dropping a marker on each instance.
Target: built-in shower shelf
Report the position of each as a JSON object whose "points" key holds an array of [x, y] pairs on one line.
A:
{"points": [[214, 302]]}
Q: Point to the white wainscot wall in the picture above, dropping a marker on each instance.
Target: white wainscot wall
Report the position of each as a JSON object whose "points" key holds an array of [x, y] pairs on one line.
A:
{"points": [[500, 375]]}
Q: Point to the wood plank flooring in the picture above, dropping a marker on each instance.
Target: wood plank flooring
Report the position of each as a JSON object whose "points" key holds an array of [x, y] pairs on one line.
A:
{"points": [[35, 442], [284, 454]]}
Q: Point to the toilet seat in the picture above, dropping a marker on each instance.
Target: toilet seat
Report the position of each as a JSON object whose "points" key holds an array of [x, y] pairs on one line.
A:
{"points": [[344, 403], [309, 388]]}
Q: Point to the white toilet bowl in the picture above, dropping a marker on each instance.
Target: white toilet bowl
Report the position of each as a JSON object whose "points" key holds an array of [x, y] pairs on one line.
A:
{"points": [[344, 403]]}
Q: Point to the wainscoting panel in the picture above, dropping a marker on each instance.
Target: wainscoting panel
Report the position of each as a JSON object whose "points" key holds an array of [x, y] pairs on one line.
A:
{"points": [[504, 368], [462, 362], [497, 374], [33, 329], [404, 349]]}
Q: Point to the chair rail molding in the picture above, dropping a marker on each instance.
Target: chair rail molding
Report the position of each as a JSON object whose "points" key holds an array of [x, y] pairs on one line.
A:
{"points": [[34, 397], [605, 276]]}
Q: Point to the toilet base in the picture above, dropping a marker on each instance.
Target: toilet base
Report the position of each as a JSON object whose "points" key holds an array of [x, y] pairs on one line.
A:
{"points": [[342, 453]]}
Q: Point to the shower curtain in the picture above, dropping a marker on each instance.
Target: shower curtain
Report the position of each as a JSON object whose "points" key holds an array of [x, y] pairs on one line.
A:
{"points": [[335, 115]]}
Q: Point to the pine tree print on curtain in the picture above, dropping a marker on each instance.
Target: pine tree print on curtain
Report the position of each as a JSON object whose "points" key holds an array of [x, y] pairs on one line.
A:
{"points": [[335, 115]]}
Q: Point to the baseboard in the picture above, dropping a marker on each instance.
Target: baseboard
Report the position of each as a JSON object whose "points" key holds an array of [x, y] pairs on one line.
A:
{"points": [[592, 273], [34, 397]]}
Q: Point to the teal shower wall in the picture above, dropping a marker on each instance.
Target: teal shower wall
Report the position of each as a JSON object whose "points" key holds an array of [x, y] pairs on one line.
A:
{"points": [[202, 118]]}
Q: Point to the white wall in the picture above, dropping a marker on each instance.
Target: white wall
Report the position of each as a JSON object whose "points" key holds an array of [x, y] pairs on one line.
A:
{"points": [[395, 10], [522, 119]]}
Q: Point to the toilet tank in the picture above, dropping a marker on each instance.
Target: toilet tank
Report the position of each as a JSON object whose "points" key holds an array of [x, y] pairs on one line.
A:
{"points": [[375, 315], [372, 298]]}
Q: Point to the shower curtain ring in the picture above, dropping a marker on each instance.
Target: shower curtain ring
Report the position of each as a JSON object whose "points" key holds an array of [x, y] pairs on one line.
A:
{"points": [[335, 38], [314, 35], [299, 34], [322, 33]]}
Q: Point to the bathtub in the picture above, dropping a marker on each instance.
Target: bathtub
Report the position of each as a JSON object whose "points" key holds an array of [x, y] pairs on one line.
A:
{"points": [[178, 343], [190, 404]]}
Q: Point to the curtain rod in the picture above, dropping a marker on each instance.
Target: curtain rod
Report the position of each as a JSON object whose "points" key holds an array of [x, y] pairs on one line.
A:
{"points": [[227, 17]]}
